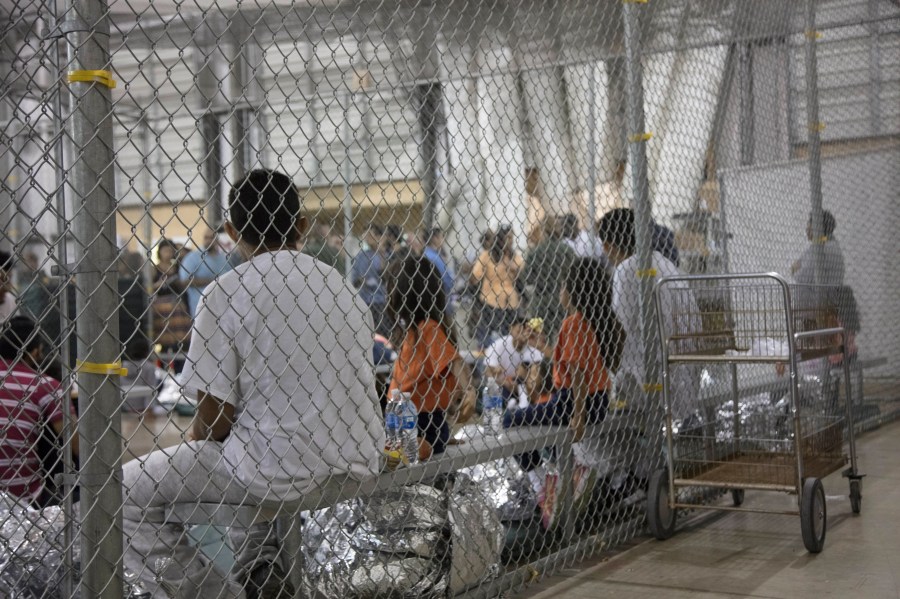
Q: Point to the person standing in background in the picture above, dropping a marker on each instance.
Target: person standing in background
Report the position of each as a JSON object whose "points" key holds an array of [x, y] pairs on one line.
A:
{"points": [[434, 251], [617, 230], [496, 272], [201, 267], [545, 266], [367, 275], [39, 299], [664, 243], [171, 315], [804, 269], [317, 246]]}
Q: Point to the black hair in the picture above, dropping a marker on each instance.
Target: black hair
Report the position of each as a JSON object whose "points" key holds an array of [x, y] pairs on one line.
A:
{"points": [[487, 238], [264, 207], [590, 290], [569, 226], [431, 233], [137, 349], [416, 295], [395, 232], [617, 229], [6, 261], [498, 246], [166, 243], [829, 224], [19, 335]]}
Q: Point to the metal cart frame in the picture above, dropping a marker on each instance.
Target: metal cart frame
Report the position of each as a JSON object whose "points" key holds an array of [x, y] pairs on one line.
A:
{"points": [[763, 470]]}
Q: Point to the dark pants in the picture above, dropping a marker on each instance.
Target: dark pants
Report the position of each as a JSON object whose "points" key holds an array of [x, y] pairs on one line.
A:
{"points": [[556, 412], [433, 428], [493, 320]]}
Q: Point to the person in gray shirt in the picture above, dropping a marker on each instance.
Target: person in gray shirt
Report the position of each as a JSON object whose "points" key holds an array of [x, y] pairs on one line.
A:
{"points": [[804, 269]]}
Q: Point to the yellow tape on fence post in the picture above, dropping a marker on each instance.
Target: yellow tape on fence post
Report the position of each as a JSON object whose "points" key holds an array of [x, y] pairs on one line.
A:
{"points": [[96, 76], [113, 369]]}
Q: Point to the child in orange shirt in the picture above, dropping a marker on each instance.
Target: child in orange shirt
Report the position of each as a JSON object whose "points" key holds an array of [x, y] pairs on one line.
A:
{"points": [[586, 354], [428, 365]]}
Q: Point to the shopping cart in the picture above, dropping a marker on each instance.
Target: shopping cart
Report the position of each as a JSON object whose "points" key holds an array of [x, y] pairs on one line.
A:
{"points": [[743, 319]]}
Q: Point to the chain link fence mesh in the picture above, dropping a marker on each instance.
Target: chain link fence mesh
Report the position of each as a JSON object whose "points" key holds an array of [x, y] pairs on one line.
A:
{"points": [[275, 215]]}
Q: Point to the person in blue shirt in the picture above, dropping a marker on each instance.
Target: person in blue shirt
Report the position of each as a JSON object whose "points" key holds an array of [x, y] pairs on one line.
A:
{"points": [[367, 276], [201, 267], [434, 246]]}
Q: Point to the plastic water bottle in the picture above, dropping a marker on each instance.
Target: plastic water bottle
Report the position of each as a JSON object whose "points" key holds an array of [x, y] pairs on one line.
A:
{"points": [[401, 426], [492, 401]]}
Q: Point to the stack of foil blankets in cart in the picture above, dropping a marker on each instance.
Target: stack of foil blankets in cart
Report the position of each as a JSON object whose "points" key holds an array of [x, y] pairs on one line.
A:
{"points": [[765, 419], [418, 541], [32, 563]]}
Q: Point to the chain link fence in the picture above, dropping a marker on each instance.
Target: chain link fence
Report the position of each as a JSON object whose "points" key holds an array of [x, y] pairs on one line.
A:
{"points": [[354, 299]]}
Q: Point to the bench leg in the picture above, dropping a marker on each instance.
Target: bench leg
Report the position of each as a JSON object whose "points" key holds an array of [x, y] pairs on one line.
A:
{"points": [[290, 534]]}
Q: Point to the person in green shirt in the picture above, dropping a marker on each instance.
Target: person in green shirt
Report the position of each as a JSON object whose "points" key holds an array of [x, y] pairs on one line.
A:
{"points": [[545, 265], [317, 246]]}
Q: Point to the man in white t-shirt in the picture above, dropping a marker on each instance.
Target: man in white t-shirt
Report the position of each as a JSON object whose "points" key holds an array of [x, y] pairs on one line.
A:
{"points": [[504, 356], [679, 309], [280, 363]]}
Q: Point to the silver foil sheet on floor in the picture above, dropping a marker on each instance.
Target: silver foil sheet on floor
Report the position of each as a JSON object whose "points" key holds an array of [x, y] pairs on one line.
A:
{"points": [[411, 542]]}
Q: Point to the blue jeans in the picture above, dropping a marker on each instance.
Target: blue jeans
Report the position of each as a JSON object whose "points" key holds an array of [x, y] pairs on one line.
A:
{"points": [[556, 412]]}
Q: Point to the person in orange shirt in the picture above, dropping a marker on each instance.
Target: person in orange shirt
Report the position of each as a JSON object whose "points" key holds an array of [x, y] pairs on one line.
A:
{"points": [[428, 365], [587, 352]]}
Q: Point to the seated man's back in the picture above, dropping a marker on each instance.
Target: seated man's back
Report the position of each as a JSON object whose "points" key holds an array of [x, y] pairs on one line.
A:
{"points": [[284, 340]]}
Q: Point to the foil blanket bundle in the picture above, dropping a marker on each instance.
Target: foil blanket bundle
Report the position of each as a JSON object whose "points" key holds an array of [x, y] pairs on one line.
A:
{"points": [[417, 541], [32, 553], [765, 420]]}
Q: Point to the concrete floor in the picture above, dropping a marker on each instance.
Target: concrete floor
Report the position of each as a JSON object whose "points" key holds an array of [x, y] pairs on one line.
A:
{"points": [[762, 555]]}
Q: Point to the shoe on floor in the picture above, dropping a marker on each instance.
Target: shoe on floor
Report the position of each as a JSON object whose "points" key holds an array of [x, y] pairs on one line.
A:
{"points": [[268, 581]]}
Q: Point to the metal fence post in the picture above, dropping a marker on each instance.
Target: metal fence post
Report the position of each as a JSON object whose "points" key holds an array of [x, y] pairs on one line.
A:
{"points": [[93, 193], [637, 153], [592, 147], [815, 128]]}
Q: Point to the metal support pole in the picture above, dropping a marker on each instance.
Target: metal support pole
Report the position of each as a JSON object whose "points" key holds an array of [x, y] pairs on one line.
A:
{"points": [[592, 147], [62, 298], [7, 208], [211, 129], [93, 193], [747, 113], [637, 153], [147, 135], [815, 127], [347, 176], [428, 106], [875, 75]]}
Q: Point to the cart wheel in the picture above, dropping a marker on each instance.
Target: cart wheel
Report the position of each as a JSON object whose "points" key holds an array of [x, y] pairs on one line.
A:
{"points": [[737, 497], [812, 515], [856, 495], [660, 516]]}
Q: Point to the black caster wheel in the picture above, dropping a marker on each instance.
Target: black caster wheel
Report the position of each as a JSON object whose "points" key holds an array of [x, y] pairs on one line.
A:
{"points": [[660, 515], [812, 515]]}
